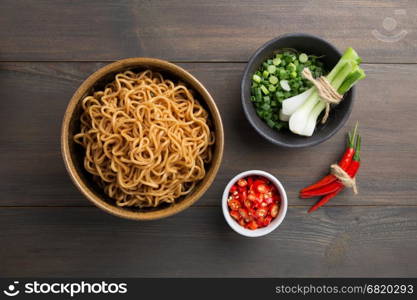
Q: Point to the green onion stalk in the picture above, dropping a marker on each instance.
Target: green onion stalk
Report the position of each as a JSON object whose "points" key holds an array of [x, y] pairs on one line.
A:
{"points": [[342, 77]]}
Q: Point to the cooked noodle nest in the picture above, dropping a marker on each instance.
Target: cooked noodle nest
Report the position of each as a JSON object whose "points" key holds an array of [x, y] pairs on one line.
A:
{"points": [[147, 140]]}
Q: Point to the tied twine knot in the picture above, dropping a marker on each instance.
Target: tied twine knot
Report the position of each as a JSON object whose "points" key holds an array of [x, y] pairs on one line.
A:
{"points": [[325, 91], [344, 177]]}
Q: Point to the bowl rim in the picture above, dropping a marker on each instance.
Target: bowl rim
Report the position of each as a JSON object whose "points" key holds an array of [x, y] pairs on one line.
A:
{"points": [[137, 62], [246, 74], [264, 230]]}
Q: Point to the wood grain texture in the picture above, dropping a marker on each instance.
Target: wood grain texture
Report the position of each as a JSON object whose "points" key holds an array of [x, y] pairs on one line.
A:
{"points": [[360, 241], [35, 96], [190, 30], [373, 234]]}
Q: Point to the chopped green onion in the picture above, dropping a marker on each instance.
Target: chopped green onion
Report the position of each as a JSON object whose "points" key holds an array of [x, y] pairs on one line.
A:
{"points": [[265, 106], [276, 61], [292, 67], [273, 79], [285, 86], [256, 78], [264, 90], [270, 123], [272, 69], [267, 93]]}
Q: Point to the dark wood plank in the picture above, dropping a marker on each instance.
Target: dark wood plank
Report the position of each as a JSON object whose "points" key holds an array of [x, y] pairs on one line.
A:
{"points": [[360, 241], [35, 96], [197, 30]]}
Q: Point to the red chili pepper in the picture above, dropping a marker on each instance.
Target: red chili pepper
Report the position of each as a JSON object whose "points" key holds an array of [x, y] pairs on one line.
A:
{"points": [[343, 163], [334, 186], [324, 200], [353, 169]]}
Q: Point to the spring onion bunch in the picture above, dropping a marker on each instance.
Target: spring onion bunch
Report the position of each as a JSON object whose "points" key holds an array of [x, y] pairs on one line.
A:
{"points": [[303, 109]]}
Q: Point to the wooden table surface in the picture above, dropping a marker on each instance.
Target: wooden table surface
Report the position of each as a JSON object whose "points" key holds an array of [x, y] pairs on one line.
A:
{"points": [[47, 48]]}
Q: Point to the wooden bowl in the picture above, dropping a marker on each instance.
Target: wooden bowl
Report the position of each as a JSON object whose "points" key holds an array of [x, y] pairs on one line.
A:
{"points": [[73, 154]]}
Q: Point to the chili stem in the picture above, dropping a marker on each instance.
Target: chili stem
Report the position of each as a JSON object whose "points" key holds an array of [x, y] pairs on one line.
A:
{"points": [[358, 149], [352, 137]]}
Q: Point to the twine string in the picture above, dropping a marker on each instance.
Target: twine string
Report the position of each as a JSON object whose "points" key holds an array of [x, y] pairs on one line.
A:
{"points": [[344, 177], [325, 90]]}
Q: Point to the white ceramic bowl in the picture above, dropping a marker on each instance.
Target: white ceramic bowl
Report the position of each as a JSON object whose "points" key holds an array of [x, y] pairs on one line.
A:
{"points": [[264, 230]]}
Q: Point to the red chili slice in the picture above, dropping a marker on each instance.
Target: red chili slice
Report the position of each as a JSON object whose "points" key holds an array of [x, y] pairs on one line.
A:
{"points": [[243, 213], [243, 195], [247, 203], [252, 225], [255, 184], [263, 179], [235, 215], [260, 221], [242, 182], [261, 212], [234, 204], [253, 202], [267, 195], [263, 188], [233, 188], [251, 196], [259, 199], [260, 187], [267, 221], [274, 210], [249, 180]]}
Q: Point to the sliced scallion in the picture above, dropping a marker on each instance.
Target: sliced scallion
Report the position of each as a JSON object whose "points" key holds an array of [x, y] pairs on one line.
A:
{"points": [[276, 61], [303, 58], [273, 79], [271, 69], [284, 85], [264, 90], [256, 78]]}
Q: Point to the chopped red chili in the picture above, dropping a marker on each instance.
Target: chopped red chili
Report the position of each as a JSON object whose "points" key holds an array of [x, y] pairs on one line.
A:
{"points": [[254, 202]]}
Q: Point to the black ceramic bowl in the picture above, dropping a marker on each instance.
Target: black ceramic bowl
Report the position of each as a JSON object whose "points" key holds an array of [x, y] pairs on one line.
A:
{"points": [[311, 45]]}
